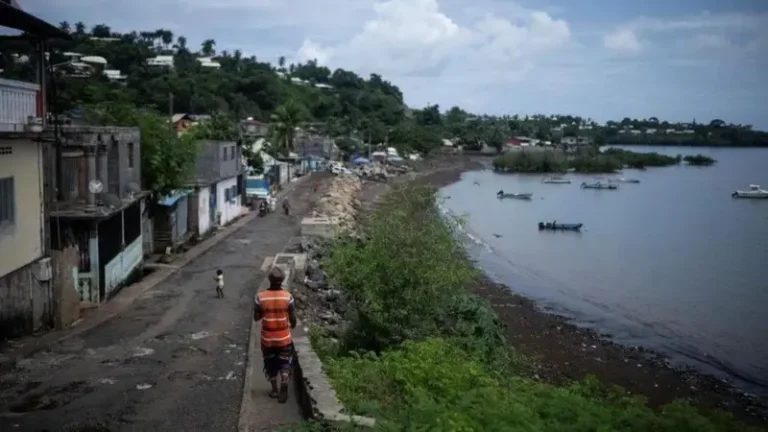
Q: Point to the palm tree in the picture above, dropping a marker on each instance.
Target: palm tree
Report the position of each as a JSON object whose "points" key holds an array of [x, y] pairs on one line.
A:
{"points": [[181, 43], [208, 47], [281, 62], [167, 37], [64, 25], [285, 120], [80, 28]]}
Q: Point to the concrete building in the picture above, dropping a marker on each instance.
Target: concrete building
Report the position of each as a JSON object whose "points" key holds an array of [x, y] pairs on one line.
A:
{"points": [[217, 186], [100, 207], [28, 296]]}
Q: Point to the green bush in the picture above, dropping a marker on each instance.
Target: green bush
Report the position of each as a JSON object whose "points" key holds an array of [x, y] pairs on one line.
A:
{"points": [[699, 160], [641, 160], [531, 162], [404, 275], [433, 385]]}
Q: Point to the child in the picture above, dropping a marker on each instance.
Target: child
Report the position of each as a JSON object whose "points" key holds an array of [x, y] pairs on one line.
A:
{"points": [[219, 283]]}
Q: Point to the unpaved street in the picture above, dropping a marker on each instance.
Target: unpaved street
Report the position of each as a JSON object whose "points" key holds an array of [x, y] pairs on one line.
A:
{"points": [[174, 361]]}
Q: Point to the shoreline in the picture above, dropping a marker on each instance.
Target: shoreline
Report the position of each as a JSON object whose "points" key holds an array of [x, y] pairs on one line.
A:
{"points": [[563, 352]]}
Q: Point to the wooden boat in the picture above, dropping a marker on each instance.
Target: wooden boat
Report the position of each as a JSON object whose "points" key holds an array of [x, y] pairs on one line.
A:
{"points": [[502, 195], [556, 180], [753, 192], [599, 185], [560, 226]]}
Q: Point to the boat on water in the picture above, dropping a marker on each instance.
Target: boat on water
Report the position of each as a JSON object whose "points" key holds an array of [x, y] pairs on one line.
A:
{"points": [[599, 185], [556, 180], [554, 226], [502, 195], [627, 180], [754, 192]]}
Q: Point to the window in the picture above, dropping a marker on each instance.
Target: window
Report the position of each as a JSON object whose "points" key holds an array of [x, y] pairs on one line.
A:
{"points": [[227, 198], [233, 193], [7, 202], [232, 152], [130, 155], [224, 157]]}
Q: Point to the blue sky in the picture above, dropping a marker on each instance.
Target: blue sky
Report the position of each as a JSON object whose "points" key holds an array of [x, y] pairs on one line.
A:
{"points": [[676, 60]]}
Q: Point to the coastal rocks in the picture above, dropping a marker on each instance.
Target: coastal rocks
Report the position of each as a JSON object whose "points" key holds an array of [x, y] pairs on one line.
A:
{"points": [[341, 202], [380, 172]]}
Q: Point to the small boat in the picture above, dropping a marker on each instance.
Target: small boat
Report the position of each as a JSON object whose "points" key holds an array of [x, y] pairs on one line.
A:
{"points": [[556, 180], [502, 195], [754, 192], [599, 185], [560, 226], [627, 180]]}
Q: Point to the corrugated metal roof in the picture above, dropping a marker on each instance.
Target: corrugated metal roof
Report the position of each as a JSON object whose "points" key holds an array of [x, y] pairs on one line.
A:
{"points": [[171, 199]]}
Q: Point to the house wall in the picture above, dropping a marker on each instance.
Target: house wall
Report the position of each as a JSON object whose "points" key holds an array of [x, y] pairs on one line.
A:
{"points": [[230, 209], [215, 163], [203, 210], [22, 242], [25, 303], [119, 146]]}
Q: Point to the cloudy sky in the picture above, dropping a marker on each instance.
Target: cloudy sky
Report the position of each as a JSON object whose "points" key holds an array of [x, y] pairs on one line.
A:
{"points": [[604, 59]]}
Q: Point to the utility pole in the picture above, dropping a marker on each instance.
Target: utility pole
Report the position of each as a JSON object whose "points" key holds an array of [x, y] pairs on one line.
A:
{"points": [[170, 111]]}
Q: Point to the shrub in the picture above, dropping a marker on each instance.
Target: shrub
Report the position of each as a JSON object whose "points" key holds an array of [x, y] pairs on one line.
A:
{"points": [[531, 162], [404, 275], [699, 160]]}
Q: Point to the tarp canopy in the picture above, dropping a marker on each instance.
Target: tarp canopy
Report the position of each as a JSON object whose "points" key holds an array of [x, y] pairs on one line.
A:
{"points": [[361, 161], [171, 199]]}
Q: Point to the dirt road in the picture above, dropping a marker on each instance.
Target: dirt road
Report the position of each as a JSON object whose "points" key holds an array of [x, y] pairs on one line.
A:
{"points": [[174, 361]]}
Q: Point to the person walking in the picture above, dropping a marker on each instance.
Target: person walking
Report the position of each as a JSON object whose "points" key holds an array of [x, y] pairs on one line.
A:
{"points": [[274, 307]]}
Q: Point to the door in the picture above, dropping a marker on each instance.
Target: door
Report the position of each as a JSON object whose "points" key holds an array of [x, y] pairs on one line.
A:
{"points": [[182, 217], [212, 201]]}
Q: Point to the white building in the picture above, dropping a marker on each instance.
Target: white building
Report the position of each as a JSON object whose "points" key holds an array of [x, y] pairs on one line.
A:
{"points": [[161, 61], [208, 62]]}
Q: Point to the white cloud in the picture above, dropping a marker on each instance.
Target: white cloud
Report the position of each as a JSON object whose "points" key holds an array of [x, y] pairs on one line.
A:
{"points": [[312, 51], [624, 41], [407, 37]]}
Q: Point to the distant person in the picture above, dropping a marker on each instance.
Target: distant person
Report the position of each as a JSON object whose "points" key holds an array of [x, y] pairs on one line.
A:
{"points": [[286, 206], [219, 279], [275, 308]]}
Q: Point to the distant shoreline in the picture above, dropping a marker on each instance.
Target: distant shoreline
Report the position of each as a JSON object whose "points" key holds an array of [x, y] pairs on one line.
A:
{"points": [[686, 144], [559, 346]]}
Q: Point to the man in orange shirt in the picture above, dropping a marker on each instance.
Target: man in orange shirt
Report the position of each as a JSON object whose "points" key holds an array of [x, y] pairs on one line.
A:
{"points": [[275, 308]]}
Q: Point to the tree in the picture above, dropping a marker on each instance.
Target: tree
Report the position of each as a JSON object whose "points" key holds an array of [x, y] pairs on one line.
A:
{"points": [[167, 37], [101, 30], [286, 119], [208, 47], [495, 139], [79, 28], [281, 62], [181, 43], [64, 25]]}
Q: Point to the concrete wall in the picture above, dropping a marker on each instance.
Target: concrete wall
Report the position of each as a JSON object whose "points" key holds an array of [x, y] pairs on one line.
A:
{"points": [[66, 298], [121, 266], [229, 209], [203, 210], [119, 146], [217, 160], [25, 303], [22, 242]]}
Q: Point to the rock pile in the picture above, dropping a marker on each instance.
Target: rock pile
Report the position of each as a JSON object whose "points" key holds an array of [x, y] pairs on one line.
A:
{"points": [[341, 202], [380, 172], [320, 303]]}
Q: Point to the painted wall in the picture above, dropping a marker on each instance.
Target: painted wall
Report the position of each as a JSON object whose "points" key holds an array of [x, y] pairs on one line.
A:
{"points": [[25, 303], [22, 242], [203, 211], [229, 209], [118, 270]]}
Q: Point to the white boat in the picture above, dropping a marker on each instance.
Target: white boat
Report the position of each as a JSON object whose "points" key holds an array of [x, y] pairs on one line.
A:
{"points": [[626, 180], [556, 180], [753, 192]]}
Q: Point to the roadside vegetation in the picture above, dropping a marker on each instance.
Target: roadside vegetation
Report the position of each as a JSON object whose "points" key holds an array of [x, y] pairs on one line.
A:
{"points": [[421, 353]]}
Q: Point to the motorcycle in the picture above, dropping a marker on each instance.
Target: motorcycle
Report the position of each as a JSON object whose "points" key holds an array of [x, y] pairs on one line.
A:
{"points": [[263, 209]]}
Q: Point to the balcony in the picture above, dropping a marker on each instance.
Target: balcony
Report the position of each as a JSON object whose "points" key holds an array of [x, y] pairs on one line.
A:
{"points": [[18, 101]]}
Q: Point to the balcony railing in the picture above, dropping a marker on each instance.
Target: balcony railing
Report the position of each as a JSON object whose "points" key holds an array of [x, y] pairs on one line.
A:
{"points": [[18, 101]]}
